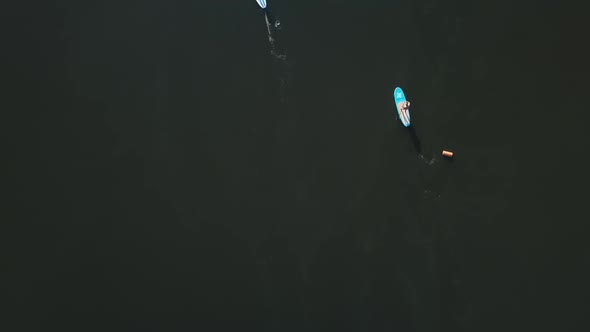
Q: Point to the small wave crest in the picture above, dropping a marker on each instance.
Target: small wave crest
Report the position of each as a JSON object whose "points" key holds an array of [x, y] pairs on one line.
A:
{"points": [[428, 162]]}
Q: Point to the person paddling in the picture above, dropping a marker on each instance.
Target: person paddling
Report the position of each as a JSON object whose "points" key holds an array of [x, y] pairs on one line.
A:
{"points": [[404, 105]]}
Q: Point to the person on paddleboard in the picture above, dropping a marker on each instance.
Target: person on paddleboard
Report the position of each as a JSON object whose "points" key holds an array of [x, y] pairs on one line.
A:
{"points": [[404, 106]]}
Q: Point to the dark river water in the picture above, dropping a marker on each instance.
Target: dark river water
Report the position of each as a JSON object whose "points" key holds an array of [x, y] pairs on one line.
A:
{"points": [[169, 167]]}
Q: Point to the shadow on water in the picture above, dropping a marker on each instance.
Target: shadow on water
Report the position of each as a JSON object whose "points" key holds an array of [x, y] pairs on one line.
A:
{"points": [[415, 139]]}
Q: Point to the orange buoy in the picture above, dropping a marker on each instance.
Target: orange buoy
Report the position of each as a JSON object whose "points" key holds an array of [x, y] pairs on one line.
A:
{"points": [[447, 153]]}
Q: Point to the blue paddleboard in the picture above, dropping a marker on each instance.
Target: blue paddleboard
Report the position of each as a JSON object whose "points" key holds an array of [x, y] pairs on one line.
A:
{"points": [[398, 97], [262, 3]]}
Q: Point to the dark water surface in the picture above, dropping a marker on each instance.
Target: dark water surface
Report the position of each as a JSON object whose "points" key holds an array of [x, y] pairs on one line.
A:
{"points": [[169, 169]]}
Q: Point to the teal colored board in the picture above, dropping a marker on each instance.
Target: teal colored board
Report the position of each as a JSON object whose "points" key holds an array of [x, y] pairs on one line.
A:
{"points": [[398, 97], [262, 3]]}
